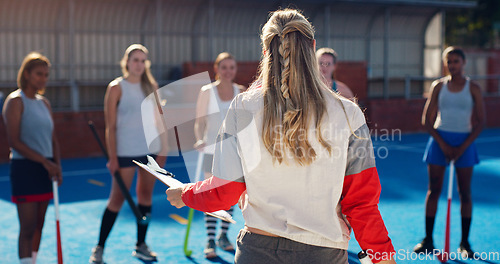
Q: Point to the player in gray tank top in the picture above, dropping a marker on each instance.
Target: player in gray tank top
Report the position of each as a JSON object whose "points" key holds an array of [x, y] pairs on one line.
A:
{"points": [[454, 116], [35, 158], [126, 141], [215, 98]]}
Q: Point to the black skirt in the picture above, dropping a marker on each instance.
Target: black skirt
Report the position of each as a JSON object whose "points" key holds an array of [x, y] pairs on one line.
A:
{"points": [[30, 181]]}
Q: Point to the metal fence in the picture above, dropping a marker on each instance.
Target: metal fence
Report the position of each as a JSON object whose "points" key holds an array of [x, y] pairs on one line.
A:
{"points": [[85, 39]]}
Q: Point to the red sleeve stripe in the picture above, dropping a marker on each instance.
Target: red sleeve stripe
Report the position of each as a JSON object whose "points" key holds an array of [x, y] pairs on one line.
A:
{"points": [[360, 206], [212, 194]]}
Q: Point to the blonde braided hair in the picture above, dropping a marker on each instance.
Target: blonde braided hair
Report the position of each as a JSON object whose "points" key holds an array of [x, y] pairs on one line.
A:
{"points": [[292, 87]]}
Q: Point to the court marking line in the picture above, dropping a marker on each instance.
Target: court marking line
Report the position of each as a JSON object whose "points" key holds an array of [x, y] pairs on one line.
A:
{"points": [[96, 182], [487, 139], [70, 173], [74, 173], [84, 172], [179, 219], [424, 144], [421, 151], [417, 147]]}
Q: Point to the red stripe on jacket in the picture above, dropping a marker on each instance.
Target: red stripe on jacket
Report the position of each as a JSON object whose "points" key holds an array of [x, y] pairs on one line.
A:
{"points": [[361, 194], [212, 194]]}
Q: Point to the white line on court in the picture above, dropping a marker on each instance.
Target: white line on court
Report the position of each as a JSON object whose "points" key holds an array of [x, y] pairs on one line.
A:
{"points": [[487, 139], [411, 147], [70, 173]]}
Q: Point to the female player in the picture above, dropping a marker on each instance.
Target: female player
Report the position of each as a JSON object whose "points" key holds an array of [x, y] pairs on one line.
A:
{"points": [[302, 154], [327, 61], [34, 158], [454, 116], [215, 98], [126, 141]]}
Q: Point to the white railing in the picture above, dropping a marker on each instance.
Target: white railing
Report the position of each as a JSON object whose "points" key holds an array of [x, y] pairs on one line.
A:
{"points": [[409, 79]]}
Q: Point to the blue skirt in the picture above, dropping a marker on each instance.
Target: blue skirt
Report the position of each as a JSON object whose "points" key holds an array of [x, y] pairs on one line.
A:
{"points": [[434, 155]]}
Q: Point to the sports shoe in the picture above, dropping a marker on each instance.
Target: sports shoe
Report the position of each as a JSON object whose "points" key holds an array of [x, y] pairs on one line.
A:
{"points": [[426, 247], [143, 252], [210, 249], [224, 243], [465, 250], [96, 257]]}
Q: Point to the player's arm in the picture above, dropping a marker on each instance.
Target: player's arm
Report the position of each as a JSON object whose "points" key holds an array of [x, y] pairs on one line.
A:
{"points": [[200, 123], [345, 90], [158, 115], [111, 99], [212, 194], [430, 114], [360, 197], [56, 153], [478, 116]]}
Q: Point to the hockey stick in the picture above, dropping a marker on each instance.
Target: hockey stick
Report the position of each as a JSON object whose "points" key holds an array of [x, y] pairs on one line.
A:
{"points": [[199, 163], [58, 229], [141, 219], [443, 257], [187, 252]]}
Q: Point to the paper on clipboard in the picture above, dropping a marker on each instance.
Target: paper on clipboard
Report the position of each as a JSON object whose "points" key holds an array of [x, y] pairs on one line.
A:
{"points": [[173, 183], [167, 180], [223, 215]]}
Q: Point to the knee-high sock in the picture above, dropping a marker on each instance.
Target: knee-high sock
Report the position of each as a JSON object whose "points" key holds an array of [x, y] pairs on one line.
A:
{"points": [[108, 220], [142, 229], [466, 228], [225, 225], [429, 226], [210, 224]]}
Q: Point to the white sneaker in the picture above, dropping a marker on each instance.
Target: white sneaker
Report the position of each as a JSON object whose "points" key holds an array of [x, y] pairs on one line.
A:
{"points": [[143, 252], [210, 250], [96, 257]]}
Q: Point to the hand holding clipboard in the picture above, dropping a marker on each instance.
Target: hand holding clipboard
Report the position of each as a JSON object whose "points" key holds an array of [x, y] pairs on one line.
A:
{"points": [[168, 179]]}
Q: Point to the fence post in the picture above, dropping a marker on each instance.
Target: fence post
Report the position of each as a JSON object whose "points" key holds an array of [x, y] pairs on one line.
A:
{"points": [[74, 91], [407, 87], [498, 85]]}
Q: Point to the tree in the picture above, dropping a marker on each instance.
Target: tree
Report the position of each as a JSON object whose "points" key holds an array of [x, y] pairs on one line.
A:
{"points": [[474, 27]]}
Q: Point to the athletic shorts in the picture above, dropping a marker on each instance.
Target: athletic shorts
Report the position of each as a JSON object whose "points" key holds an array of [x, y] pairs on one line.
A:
{"points": [[30, 181], [207, 162], [434, 155], [255, 248], [125, 162]]}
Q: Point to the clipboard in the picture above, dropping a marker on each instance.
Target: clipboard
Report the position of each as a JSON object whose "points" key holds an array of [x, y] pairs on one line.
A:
{"points": [[168, 179]]}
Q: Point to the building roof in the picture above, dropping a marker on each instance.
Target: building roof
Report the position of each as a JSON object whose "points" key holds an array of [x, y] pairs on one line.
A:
{"points": [[426, 3]]}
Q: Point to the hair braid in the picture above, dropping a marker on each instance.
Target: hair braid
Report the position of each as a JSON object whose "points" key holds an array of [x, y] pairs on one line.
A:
{"points": [[284, 51], [293, 90]]}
